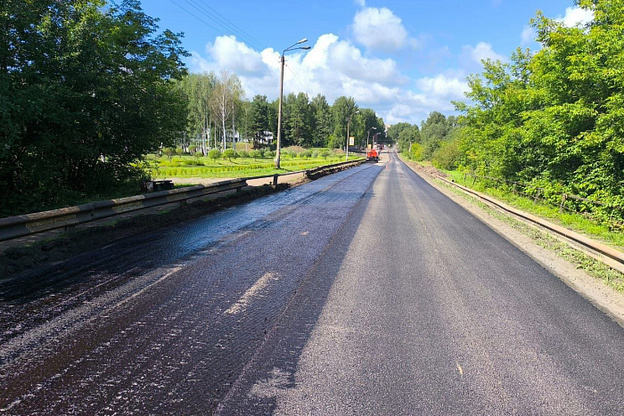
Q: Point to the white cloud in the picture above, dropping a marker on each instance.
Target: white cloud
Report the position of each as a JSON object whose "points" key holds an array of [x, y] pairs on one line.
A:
{"points": [[361, 3], [235, 56], [441, 86], [528, 36], [576, 16], [335, 67], [481, 52], [380, 30]]}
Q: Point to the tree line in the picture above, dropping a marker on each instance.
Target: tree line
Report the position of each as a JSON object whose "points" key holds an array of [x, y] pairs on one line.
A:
{"points": [[85, 92], [88, 88], [552, 119], [219, 115], [436, 139]]}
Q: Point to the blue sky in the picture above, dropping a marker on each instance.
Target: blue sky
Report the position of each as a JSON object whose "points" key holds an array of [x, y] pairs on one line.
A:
{"points": [[403, 59]]}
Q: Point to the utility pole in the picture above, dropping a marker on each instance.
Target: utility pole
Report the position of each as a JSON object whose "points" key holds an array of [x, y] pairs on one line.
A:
{"points": [[348, 125], [279, 111], [368, 135]]}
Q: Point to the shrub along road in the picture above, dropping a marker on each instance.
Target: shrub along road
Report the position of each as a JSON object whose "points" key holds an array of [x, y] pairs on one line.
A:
{"points": [[365, 292]]}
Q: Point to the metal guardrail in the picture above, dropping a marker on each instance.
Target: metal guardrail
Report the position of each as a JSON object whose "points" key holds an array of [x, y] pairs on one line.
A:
{"points": [[23, 225]]}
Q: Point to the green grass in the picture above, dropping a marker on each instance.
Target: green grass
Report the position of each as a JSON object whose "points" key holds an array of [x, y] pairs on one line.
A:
{"points": [[573, 221], [193, 167]]}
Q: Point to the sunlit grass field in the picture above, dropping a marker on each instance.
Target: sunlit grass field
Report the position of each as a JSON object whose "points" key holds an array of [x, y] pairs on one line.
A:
{"points": [[244, 164]]}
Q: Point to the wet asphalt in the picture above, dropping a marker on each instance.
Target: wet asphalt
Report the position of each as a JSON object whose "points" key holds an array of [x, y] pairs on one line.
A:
{"points": [[364, 292]]}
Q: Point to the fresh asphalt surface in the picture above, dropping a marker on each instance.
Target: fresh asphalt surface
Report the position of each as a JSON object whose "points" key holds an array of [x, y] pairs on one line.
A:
{"points": [[365, 292]]}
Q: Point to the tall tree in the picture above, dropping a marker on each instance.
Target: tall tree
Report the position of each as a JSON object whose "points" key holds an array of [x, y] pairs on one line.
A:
{"points": [[344, 110], [85, 91], [297, 120], [259, 118], [224, 101], [198, 89], [322, 121]]}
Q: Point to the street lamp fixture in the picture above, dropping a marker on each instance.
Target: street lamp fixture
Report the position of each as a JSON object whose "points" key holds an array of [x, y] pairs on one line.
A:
{"points": [[279, 112]]}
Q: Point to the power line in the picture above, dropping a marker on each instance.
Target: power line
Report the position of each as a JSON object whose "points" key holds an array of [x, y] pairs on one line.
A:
{"points": [[195, 16], [221, 21], [296, 77], [232, 24]]}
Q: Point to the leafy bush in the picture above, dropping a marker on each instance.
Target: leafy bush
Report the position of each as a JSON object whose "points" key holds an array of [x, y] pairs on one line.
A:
{"points": [[324, 153], [214, 154], [416, 152], [229, 154], [335, 142], [168, 151], [447, 156]]}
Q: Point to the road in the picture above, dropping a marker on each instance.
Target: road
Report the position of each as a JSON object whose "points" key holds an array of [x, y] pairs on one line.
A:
{"points": [[364, 292]]}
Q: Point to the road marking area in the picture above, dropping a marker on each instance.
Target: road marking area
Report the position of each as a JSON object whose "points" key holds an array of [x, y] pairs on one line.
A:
{"points": [[253, 291], [460, 369]]}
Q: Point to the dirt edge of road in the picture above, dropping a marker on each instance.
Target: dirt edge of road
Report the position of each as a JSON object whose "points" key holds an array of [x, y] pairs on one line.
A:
{"points": [[603, 297]]}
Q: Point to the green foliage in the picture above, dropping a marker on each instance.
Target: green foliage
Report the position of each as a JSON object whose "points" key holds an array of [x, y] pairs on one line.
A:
{"points": [[447, 156], [229, 154], [214, 154], [416, 152], [553, 119], [168, 151], [259, 118], [344, 111], [86, 90], [335, 142]]}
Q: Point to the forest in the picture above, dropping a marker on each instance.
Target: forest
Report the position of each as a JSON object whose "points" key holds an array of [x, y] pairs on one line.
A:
{"points": [[219, 115], [551, 119], [89, 88]]}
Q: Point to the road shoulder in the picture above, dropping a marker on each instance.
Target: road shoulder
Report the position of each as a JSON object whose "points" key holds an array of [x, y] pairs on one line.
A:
{"points": [[601, 296]]}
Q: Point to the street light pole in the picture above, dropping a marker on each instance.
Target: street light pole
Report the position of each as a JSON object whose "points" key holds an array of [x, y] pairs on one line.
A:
{"points": [[279, 116], [368, 135], [348, 124], [279, 111]]}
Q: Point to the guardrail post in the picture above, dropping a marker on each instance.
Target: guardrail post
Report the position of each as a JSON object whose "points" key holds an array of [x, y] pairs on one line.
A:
{"points": [[275, 180], [563, 200], [536, 196]]}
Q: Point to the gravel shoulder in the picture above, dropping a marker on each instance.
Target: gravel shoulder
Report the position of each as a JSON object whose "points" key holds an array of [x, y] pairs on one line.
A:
{"points": [[603, 297]]}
